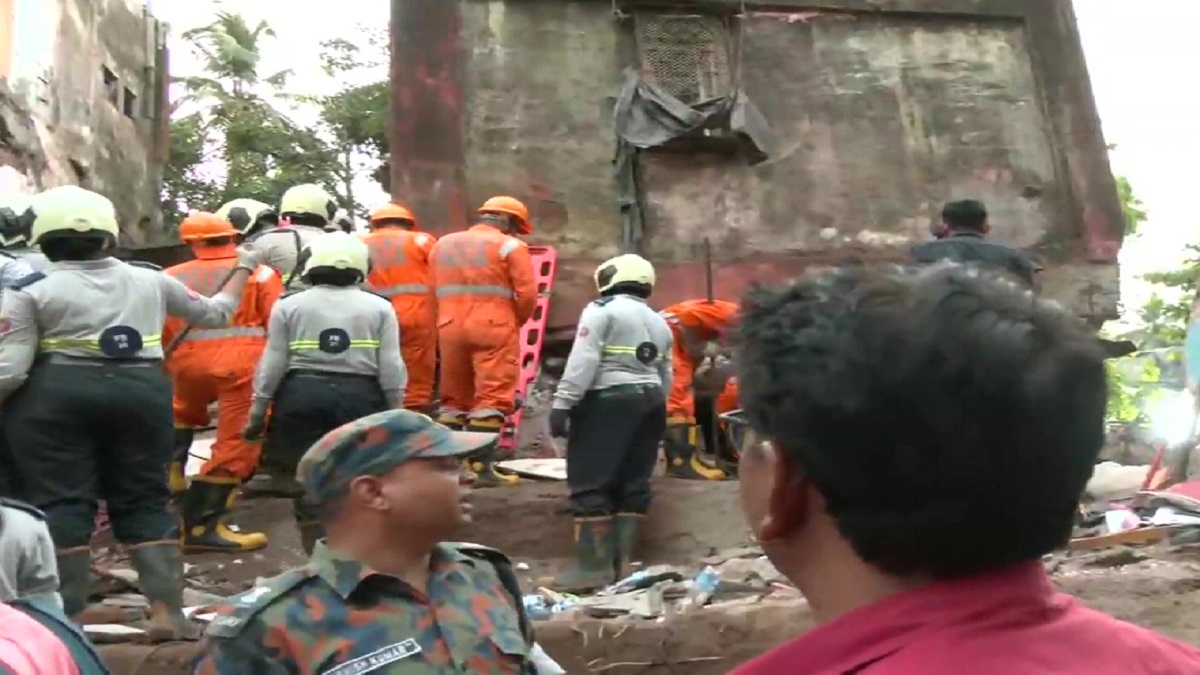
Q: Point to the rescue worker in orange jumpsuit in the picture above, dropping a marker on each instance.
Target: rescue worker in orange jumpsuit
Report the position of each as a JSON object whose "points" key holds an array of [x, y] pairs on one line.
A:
{"points": [[483, 280], [694, 323], [216, 365], [400, 262], [727, 402]]}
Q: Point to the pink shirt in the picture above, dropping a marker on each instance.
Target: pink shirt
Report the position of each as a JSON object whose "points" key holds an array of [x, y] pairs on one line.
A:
{"points": [[29, 648], [1011, 622]]}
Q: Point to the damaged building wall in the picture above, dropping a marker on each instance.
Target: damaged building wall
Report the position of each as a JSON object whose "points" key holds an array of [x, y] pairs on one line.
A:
{"points": [[83, 103], [883, 109]]}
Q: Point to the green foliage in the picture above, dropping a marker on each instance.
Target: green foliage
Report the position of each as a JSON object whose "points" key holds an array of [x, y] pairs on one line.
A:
{"points": [[1132, 207], [232, 115]]}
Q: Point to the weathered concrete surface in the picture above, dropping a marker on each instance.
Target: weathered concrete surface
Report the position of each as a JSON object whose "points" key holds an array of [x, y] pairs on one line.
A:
{"points": [[85, 105], [886, 109]]}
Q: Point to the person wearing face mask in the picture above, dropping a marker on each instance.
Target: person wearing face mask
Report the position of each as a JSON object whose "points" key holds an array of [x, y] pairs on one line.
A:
{"points": [[913, 442], [385, 591]]}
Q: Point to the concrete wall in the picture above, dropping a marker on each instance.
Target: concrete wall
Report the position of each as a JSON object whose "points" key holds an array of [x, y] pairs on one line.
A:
{"points": [[82, 103], [885, 109]]}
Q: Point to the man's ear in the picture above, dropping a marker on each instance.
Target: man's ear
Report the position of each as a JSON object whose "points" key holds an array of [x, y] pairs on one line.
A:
{"points": [[987, 227], [787, 509], [367, 491]]}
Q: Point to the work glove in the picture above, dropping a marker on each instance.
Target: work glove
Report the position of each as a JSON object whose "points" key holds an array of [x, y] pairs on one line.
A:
{"points": [[558, 422], [249, 257], [257, 424]]}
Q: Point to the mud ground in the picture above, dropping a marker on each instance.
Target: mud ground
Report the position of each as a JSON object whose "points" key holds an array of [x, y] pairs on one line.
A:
{"points": [[1156, 588]]}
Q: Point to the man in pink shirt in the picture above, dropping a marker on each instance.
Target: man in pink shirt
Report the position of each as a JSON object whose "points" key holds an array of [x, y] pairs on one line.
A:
{"points": [[913, 442], [29, 648]]}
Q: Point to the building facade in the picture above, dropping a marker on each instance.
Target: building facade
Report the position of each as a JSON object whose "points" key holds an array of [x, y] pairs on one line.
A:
{"points": [[83, 102]]}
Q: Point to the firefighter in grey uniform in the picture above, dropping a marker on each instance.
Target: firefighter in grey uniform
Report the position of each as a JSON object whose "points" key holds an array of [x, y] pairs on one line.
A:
{"points": [[613, 394], [248, 216], [15, 219], [307, 209], [87, 406], [332, 356], [14, 234]]}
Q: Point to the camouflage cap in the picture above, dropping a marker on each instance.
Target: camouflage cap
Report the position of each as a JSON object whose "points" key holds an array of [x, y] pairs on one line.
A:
{"points": [[373, 446]]}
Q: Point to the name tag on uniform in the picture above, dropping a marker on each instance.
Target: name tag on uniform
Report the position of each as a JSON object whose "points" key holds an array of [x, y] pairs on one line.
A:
{"points": [[377, 659]]}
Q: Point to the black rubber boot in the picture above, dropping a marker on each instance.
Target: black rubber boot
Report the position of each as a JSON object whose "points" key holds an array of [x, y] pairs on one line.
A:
{"points": [[203, 509], [310, 528], [595, 548], [627, 526], [482, 465], [176, 470], [74, 578], [160, 577], [679, 446]]}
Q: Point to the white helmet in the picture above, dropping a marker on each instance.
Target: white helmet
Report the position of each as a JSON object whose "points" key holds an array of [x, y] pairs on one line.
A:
{"points": [[307, 200], [624, 269], [338, 250], [72, 209]]}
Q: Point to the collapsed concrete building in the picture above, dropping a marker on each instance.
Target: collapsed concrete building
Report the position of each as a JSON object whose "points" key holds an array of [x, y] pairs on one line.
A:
{"points": [[789, 133], [83, 100]]}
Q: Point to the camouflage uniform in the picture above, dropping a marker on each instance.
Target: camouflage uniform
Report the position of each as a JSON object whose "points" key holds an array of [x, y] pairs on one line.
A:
{"points": [[336, 616]]}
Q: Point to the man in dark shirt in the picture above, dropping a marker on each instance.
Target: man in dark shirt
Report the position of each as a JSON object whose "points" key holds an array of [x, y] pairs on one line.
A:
{"points": [[961, 238]]}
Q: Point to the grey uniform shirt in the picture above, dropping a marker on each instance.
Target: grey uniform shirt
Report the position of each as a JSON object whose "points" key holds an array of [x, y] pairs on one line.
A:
{"points": [[32, 257], [333, 329], [620, 341], [27, 565], [97, 309], [280, 250], [12, 269]]}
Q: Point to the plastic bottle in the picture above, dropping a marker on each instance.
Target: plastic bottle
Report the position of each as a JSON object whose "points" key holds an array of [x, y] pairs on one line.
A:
{"points": [[702, 589]]}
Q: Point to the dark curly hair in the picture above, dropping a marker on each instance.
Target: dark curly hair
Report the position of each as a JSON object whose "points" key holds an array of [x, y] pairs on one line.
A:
{"points": [[949, 418]]}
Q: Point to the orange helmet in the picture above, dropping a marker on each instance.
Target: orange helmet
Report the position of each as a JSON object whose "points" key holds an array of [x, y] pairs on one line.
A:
{"points": [[392, 211], [200, 225], [510, 206]]}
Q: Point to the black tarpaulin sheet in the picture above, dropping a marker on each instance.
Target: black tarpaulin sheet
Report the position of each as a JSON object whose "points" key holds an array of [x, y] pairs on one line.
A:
{"points": [[646, 116]]}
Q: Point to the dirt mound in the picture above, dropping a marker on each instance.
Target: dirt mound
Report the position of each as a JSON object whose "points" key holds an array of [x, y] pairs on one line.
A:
{"points": [[689, 521]]}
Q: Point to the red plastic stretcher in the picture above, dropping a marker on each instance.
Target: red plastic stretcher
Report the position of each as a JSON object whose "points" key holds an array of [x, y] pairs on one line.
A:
{"points": [[545, 262]]}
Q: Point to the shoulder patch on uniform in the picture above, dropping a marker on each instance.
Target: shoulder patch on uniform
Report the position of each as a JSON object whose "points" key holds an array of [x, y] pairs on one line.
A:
{"points": [[28, 280], [234, 618], [22, 506], [144, 265], [600, 302]]}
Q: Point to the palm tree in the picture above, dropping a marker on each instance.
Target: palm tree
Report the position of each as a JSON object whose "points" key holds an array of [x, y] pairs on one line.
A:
{"points": [[232, 52]]}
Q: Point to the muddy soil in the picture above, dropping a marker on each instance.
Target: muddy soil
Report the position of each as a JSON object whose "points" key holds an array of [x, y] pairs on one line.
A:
{"points": [[1155, 588]]}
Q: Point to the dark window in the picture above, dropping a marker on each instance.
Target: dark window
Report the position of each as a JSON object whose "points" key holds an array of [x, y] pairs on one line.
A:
{"points": [[686, 55], [131, 104], [112, 85]]}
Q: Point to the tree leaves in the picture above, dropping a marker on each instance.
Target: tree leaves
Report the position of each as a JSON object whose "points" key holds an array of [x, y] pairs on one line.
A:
{"points": [[232, 134]]}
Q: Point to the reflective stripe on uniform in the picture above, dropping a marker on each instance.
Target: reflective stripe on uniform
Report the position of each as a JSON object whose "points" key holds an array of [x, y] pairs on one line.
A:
{"points": [[401, 289], [471, 289], [84, 343], [617, 350], [508, 247], [305, 345], [198, 334]]}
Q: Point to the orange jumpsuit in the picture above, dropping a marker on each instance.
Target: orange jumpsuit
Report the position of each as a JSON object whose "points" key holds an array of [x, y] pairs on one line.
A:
{"points": [[728, 400], [693, 323], [218, 364], [485, 292], [400, 272]]}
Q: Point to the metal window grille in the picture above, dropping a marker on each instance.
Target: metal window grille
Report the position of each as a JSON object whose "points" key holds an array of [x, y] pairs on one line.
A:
{"points": [[688, 56]]}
